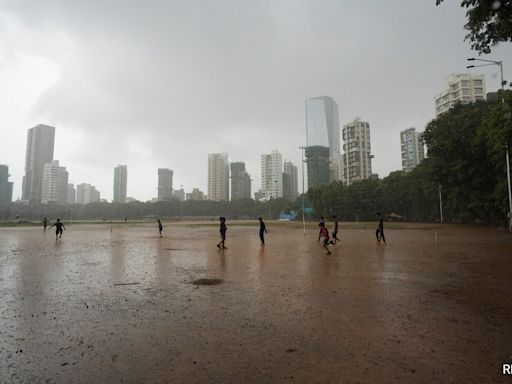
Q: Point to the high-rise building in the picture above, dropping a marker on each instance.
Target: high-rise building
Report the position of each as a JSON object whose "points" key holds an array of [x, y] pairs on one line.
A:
{"points": [[179, 194], [120, 183], [240, 181], [357, 158], [54, 187], [460, 88], [218, 177], [40, 142], [165, 184], [5, 185], [413, 149], [317, 160], [196, 194], [71, 194], [272, 175], [323, 130], [87, 193], [290, 181]]}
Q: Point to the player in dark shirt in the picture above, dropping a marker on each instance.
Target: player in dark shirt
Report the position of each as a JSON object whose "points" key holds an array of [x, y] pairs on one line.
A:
{"points": [[263, 230], [335, 231], [223, 230], [59, 227], [160, 227], [379, 232]]}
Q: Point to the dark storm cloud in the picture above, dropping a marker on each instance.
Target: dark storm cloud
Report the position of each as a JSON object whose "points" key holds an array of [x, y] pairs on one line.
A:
{"points": [[164, 83]]}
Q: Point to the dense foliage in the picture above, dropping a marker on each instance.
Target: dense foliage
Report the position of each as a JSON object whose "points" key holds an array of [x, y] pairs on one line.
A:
{"points": [[174, 210]]}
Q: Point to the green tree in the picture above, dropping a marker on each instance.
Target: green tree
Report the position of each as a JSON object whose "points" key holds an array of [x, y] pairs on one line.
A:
{"points": [[489, 23]]}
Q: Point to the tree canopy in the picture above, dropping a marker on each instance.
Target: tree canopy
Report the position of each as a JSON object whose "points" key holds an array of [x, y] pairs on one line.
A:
{"points": [[489, 23]]}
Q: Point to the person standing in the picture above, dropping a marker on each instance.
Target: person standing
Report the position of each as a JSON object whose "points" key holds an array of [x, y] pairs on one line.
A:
{"points": [[335, 231], [59, 227], [223, 230], [263, 230], [45, 224], [160, 227]]}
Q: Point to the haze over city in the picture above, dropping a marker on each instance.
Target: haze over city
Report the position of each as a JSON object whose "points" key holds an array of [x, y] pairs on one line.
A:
{"points": [[163, 85]]}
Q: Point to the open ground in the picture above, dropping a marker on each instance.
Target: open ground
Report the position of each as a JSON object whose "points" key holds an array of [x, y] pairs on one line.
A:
{"points": [[120, 306]]}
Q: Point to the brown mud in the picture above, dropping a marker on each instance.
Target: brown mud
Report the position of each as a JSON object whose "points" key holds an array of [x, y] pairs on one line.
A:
{"points": [[102, 307]]}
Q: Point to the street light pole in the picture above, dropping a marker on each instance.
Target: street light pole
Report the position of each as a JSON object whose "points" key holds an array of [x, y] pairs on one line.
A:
{"points": [[500, 64], [302, 148]]}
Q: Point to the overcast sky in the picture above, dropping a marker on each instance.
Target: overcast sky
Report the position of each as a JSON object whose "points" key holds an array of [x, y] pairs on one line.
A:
{"points": [[163, 83]]}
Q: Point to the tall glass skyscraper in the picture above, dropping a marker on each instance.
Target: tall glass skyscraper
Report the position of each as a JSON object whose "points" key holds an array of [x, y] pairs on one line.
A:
{"points": [[323, 130]]}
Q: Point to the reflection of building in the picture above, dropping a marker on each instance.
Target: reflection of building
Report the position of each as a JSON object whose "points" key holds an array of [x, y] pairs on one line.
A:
{"points": [[164, 184], [460, 88], [196, 194], [120, 183], [5, 185], [323, 130], [240, 181], [357, 157], [86, 193], [71, 197], [290, 181], [179, 194], [317, 159], [40, 141], [272, 175], [218, 177], [54, 188], [413, 151]]}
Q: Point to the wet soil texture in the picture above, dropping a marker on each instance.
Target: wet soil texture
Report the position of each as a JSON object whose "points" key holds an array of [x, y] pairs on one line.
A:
{"points": [[102, 307]]}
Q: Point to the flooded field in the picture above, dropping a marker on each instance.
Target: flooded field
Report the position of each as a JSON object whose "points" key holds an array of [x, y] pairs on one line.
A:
{"points": [[129, 306]]}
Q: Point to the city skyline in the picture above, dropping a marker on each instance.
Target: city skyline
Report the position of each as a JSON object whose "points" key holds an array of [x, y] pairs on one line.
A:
{"points": [[54, 73]]}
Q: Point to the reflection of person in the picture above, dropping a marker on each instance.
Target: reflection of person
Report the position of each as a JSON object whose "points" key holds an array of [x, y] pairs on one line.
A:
{"points": [[335, 231], [325, 234], [320, 224], [45, 224], [263, 230], [379, 232], [160, 227], [223, 230], [59, 227]]}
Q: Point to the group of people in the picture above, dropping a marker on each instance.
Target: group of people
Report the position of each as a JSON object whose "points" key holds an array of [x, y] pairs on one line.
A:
{"points": [[322, 234]]}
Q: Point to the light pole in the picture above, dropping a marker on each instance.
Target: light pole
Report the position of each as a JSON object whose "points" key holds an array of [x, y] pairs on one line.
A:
{"points": [[500, 64], [440, 203], [302, 148]]}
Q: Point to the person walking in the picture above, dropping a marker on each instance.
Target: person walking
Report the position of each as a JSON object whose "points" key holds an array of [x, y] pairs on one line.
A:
{"points": [[223, 230], [59, 227], [379, 232], [45, 224], [263, 230], [325, 234], [335, 231], [160, 227]]}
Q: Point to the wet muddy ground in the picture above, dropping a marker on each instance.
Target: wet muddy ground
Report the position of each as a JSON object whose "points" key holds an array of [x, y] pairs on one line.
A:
{"points": [[102, 307]]}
